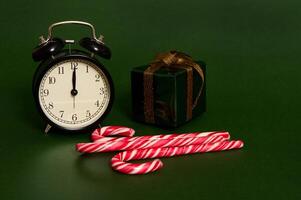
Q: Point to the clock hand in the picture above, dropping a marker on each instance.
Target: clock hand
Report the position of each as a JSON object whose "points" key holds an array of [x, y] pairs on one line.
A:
{"points": [[74, 91], [74, 78]]}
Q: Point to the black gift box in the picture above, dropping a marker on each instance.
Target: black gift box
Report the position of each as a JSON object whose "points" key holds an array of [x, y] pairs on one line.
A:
{"points": [[170, 94]]}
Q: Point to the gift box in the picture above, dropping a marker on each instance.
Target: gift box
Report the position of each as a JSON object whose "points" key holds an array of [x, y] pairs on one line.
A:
{"points": [[170, 91]]}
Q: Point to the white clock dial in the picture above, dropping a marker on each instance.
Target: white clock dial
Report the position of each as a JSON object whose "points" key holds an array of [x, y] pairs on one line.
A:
{"points": [[74, 93]]}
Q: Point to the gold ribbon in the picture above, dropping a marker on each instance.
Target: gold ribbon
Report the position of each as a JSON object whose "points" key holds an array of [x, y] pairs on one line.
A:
{"points": [[172, 59]]}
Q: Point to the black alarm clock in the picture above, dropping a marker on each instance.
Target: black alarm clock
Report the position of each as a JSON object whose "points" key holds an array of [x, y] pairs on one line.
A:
{"points": [[71, 88]]}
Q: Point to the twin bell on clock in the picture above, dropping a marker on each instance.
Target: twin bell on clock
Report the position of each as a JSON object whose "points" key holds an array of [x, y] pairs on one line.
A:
{"points": [[72, 90]]}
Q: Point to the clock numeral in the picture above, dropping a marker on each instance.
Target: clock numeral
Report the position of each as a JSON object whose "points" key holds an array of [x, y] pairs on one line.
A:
{"points": [[74, 117], [52, 80], [50, 105], [74, 65], [62, 113], [102, 90], [87, 69], [97, 76], [88, 114], [61, 70], [45, 92], [97, 103]]}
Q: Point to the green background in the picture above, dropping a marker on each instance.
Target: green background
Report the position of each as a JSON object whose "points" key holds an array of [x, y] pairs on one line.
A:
{"points": [[252, 49]]}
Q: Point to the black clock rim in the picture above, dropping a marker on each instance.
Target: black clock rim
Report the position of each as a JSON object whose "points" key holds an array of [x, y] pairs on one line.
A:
{"points": [[64, 55]]}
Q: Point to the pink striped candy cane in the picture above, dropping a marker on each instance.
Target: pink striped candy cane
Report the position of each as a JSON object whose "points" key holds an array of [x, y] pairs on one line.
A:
{"points": [[99, 137], [119, 164], [143, 142]]}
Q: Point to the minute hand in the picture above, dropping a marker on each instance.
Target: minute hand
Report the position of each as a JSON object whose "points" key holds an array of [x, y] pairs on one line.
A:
{"points": [[74, 91], [74, 79]]}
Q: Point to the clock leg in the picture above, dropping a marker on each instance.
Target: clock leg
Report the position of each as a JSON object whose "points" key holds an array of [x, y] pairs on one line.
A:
{"points": [[47, 129]]}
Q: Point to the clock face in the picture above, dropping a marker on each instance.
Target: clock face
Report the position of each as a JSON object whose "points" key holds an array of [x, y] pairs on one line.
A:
{"points": [[74, 93]]}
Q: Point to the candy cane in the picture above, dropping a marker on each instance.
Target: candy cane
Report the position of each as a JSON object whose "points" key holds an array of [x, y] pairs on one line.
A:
{"points": [[100, 134], [143, 142], [118, 163], [151, 146]]}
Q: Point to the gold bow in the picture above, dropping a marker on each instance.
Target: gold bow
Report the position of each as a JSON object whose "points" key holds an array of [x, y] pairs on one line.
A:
{"points": [[172, 59]]}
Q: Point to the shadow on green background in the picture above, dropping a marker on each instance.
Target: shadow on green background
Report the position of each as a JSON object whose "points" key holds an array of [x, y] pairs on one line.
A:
{"points": [[252, 49]]}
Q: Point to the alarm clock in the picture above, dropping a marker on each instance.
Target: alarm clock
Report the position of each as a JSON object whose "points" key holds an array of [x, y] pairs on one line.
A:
{"points": [[72, 90]]}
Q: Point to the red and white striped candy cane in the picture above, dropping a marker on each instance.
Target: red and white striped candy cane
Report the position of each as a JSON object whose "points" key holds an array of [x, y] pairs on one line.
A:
{"points": [[105, 144], [142, 146], [143, 142], [119, 164]]}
